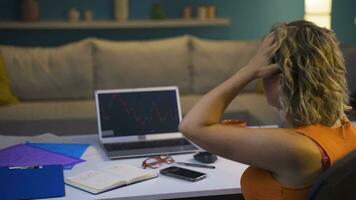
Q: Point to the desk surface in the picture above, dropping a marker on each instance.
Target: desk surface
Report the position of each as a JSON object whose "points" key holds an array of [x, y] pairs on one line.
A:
{"points": [[223, 180]]}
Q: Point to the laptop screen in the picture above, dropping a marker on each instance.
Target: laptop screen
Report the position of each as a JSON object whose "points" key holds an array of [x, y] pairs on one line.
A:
{"points": [[133, 113]]}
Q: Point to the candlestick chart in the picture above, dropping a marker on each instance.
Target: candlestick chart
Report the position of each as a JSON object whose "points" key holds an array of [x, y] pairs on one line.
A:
{"points": [[136, 113]]}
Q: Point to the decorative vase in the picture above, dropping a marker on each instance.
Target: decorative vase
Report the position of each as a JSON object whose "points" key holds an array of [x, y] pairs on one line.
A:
{"points": [[121, 10], [88, 15], [187, 12], [157, 12], [211, 12], [29, 10], [202, 12], [73, 15]]}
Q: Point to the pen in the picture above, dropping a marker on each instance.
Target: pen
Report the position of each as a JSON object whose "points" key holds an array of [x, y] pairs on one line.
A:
{"points": [[196, 165], [26, 167]]}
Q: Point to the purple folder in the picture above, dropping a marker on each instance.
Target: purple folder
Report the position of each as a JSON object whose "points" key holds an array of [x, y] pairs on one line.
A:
{"points": [[26, 155]]}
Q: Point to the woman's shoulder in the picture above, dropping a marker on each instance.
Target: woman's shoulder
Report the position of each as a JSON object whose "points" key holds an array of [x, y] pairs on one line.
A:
{"points": [[305, 160], [294, 154]]}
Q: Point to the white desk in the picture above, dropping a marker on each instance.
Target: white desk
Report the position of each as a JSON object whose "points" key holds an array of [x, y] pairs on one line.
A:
{"points": [[223, 180]]}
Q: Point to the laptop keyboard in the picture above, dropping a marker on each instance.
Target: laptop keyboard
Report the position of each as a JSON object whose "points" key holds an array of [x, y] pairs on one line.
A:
{"points": [[147, 144]]}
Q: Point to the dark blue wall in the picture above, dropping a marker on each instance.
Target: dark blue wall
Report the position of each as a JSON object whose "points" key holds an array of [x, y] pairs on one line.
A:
{"points": [[250, 19], [344, 14]]}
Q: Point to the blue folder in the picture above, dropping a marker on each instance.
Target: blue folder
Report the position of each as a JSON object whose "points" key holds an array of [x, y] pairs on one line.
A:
{"points": [[31, 182]]}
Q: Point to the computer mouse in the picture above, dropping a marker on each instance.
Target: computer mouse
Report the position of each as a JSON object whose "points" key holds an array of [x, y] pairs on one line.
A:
{"points": [[205, 157]]}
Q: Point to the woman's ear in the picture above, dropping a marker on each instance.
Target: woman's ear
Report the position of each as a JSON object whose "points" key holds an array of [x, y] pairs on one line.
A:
{"points": [[281, 79]]}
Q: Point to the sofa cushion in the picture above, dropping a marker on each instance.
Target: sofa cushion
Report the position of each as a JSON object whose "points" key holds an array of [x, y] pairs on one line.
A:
{"points": [[216, 60], [58, 117], [73, 117], [127, 64], [254, 104], [49, 110], [50, 73]]}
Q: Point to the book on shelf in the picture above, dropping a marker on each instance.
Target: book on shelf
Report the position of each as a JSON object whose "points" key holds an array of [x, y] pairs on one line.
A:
{"points": [[110, 177]]}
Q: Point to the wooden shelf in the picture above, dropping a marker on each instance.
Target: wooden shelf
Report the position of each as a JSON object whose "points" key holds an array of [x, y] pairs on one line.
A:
{"points": [[131, 24]]}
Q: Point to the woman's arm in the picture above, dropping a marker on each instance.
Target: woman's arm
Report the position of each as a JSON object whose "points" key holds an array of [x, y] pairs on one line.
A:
{"points": [[209, 109]]}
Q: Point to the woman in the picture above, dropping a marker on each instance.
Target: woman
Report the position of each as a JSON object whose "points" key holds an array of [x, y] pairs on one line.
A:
{"points": [[304, 78]]}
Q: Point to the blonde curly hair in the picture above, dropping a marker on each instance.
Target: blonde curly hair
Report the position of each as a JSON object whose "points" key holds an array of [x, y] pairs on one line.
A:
{"points": [[314, 87]]}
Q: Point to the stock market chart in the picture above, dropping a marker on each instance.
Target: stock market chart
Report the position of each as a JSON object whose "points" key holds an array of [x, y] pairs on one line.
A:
{"points": [[137, 113]]}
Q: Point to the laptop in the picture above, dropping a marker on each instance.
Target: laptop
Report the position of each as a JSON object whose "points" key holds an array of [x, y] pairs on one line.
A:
{"points": [[140, 122]]}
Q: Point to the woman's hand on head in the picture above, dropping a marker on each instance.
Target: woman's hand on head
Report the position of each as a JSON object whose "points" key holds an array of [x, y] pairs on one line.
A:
{"points": [[260, 64]]}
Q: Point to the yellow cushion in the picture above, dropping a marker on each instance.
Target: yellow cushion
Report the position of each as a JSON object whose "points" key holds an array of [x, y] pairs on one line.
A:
{"points": [[259, 86], [6, 96]]}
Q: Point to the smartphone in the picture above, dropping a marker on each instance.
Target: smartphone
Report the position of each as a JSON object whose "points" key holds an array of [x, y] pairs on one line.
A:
{"points": [[183, 173]]}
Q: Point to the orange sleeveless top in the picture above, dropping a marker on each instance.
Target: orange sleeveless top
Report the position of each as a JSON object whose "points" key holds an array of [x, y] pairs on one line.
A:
{"points": [[259, 184]]}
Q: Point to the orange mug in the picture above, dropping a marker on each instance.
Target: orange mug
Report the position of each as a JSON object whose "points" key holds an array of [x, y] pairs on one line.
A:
{"points": [[235, 122]]}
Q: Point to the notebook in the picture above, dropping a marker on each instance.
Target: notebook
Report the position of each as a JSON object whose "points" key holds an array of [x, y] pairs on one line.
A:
{"points": [[140, 122], [108, 178]]}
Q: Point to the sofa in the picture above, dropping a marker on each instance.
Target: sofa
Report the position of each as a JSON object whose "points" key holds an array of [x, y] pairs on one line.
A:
{"points": [[55, 85]]}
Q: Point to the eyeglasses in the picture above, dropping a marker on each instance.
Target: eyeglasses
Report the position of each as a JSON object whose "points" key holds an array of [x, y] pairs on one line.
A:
{"points": [[155, 161]]}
